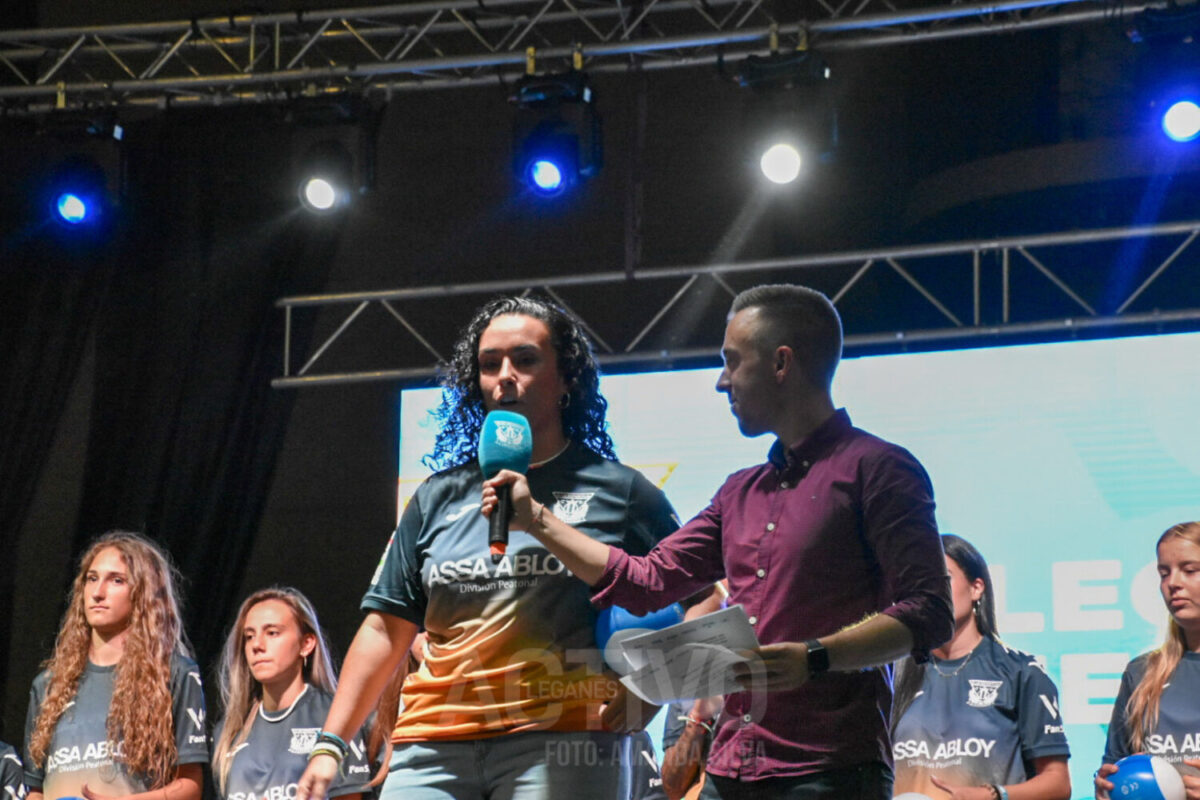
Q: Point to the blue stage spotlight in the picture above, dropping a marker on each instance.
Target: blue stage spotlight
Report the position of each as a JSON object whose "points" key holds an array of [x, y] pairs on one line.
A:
{"points": [[556, 132], [546, 175], [72, 208], [1181, 121], [78, 194], [548, 162]]}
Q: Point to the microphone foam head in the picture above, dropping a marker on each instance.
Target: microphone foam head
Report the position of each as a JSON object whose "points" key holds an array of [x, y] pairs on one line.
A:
{"points": [[506, 442]]}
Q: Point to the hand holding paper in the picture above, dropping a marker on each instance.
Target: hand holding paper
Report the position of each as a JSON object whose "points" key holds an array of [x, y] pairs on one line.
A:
{"points": [[690, 660]]}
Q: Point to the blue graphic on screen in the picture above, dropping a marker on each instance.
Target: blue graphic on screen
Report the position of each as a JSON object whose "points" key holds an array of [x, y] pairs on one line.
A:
{"points": [[1062, 462]]}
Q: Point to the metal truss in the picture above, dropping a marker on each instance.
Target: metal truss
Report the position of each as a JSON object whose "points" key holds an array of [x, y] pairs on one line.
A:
{"points": [[1030, 269], [453, 43]]}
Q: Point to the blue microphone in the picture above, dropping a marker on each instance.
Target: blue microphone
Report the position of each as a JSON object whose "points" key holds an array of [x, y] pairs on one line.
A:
{"points": [[506, 442]]}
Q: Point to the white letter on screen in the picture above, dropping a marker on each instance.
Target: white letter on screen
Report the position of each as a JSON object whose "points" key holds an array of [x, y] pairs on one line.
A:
{"points": [[1071, 596], [1079, 688], [1013, 621]]}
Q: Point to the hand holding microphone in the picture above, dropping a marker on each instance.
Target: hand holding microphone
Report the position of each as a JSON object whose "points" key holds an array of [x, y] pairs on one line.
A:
{"points": [[506, 442]]}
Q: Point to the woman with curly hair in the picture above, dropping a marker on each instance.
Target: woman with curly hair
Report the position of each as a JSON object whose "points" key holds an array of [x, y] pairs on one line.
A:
{"points": [[580, 416], [507, 700], [118, 710], [1157, 710], [277, 682]]}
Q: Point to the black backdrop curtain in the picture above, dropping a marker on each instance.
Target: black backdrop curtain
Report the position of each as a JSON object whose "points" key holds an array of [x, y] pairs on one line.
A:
{"points": [[50, 290], [186, 429]]}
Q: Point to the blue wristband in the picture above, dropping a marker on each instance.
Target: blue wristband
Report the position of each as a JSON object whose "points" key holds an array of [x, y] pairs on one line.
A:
{"points": [[325, 737]]}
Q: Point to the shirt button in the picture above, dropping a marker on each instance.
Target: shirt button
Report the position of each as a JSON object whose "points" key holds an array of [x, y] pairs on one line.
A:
{"points": [[784, 485], [747, 719], [770, 526], [754, 620], [762, 573], [804, 464]]}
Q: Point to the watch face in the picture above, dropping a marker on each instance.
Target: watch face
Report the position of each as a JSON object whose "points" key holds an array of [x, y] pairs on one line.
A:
{"points": [[818, 657]]}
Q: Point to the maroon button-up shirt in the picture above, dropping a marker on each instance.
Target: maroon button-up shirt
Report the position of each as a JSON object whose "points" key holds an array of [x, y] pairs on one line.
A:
{"points": [[824, 534]]}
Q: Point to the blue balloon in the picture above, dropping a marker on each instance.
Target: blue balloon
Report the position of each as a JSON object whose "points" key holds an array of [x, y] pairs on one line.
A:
{"points": [[616, 620], [1143, 777]]}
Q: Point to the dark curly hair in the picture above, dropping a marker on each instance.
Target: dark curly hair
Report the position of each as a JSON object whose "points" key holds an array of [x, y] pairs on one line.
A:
{"points": [[461, 412]]}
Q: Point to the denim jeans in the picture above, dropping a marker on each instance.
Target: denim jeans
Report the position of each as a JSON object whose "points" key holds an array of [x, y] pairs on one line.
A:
{"points": [[520, 766]]}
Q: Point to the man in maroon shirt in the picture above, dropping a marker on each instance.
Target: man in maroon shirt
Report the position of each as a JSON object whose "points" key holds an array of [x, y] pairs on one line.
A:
{"points": [[831, 546]]}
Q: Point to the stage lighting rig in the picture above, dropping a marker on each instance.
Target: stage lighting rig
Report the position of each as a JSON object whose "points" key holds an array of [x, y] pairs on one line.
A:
{"points": [[1174, 23], [789, 115], [1170, 66], [556, 130], [83, 173], [333, 147], [326, 175], [78, 193]]}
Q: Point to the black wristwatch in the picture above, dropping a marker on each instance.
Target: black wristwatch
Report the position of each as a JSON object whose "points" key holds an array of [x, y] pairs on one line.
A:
{"points": [[818, 658]]}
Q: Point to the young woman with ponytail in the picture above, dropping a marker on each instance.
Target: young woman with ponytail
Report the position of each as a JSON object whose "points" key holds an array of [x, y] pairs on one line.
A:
{"points": [[980, 720], [277, 681], [1157, 710]]}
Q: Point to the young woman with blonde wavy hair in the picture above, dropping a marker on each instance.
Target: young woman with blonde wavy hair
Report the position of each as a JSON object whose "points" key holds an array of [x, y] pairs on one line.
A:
{"points": [[118, 710], [277, 681], [1157, 710]]}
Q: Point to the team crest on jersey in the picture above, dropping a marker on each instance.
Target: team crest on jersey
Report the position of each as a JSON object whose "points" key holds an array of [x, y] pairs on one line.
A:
{"points": [[510, 433], [572, 507], [303, 740], [983, 693]]}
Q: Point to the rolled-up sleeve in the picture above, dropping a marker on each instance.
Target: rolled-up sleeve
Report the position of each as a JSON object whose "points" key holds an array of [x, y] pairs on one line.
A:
{"points": [[898, 520], [680, 565]]}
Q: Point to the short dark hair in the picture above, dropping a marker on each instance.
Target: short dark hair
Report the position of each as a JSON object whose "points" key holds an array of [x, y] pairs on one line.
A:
{"points": [[461, 412], [800, 318]]}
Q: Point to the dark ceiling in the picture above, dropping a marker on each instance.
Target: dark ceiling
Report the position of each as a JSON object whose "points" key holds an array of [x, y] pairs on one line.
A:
{"points": [[1011, 133]]}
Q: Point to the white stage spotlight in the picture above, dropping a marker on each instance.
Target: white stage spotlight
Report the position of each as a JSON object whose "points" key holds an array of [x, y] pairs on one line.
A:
{"points": [[781, 163]]}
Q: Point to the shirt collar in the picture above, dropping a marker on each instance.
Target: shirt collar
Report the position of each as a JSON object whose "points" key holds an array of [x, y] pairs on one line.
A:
{"points": [[815, 445]]}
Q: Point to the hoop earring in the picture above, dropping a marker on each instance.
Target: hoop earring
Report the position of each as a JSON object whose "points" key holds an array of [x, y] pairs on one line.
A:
{"points": [[565, 400]]}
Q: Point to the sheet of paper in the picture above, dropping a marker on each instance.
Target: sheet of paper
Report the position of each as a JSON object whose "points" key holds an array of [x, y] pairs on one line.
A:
{"points": [[689, 660]]}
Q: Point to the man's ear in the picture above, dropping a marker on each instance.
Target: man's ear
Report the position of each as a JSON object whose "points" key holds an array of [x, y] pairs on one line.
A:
{"points": [[785, 362]]}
